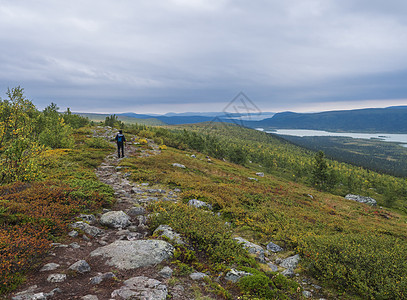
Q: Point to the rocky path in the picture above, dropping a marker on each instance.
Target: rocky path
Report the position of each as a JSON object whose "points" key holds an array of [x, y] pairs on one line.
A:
{"points": [[109, 256]]}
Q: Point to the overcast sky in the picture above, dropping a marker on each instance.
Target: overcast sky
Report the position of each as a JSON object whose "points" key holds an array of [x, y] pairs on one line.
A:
{"points": [[157, 56]]}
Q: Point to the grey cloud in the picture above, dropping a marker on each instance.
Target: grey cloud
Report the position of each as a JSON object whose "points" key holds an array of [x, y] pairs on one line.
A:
{"points": [[95, 53]]}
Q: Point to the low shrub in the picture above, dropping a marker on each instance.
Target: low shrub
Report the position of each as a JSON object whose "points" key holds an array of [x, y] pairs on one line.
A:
{"points": [[373, 266]]}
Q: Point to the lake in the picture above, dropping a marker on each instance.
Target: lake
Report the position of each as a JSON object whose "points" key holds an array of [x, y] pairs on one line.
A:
{"points": [[386, 137]]}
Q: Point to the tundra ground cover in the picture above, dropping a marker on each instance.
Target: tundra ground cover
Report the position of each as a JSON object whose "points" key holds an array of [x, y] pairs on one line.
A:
{"points": [[317, 224], [33, 214]]}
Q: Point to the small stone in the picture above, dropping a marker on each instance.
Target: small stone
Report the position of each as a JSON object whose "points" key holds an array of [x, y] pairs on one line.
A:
{"points": [[91, 219], [166, 272], [103, 277], [56, 278], [260, 174], [235, 275], [90, 297], [136, 211], [273, 267], [288, 273], [307, 294], [198, 276], [49, 267], [178, 165], [74, 245], [290, 262], [273, 247], [73, 233], [253, 179], [145, 184], [80, 266], [199, 204]]}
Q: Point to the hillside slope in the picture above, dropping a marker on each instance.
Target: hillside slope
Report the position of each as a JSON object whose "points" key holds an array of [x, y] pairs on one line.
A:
{"points": [[389, 120]]}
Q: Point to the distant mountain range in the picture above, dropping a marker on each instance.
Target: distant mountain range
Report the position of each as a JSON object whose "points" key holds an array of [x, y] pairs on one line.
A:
{"points": [[388, 120]]}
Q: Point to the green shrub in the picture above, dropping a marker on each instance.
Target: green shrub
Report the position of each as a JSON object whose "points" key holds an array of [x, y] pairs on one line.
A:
{"points": [[372, 266], [98, 143], [205, 231]]}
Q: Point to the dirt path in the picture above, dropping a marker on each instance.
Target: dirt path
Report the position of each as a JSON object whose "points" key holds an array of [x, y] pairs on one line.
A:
{"points": [[61, 282]]}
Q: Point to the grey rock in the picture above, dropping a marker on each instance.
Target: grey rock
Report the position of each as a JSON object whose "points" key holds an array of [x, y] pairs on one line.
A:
{"points": [[307, 294], [145, 184], [165, 272], [90, 297], [199, 204], [102, 277], [176, 190], [235, 275], [80, 266], [273, 267], [142, 288], [73, 233], [168, 232], [361, 199], [252, 249], [288, 273], [74, 245], [115, 219], [260, 174], [290, 262], [135, 254], [56, 278], [136, 211], [197, 276], [178, 165], [88, 229], [317, 287], [49, 267], [273, 247]]}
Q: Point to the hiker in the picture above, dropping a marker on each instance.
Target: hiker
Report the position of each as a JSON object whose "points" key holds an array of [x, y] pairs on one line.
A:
{"points": [[120, 139]]}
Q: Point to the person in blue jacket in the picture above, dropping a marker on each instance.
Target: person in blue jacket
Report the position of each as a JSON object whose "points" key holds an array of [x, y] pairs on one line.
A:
{"points": [[120, 139]]}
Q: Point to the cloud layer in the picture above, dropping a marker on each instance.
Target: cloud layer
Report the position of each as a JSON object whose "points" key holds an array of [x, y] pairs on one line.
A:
{"points": [[180, 55]]}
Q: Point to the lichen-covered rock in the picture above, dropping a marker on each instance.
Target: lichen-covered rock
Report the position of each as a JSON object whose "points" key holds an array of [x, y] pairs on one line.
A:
{"points": [[88, 229], [290, 262], [361, 199], [54, 278], [102, 277], [199, 204], [49, 267], [235, 275], [81, 266], [273, 247], [165, 272], [142, 288], [115, 219], [178, 165], [168, 232], [197, 276], [252, 249], [129, 255], [136, 211]]}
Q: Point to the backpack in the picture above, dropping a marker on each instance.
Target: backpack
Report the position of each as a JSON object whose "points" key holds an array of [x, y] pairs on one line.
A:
{"points": [[120, 138]]}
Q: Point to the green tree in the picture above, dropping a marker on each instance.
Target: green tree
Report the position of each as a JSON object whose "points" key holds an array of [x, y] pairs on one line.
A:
{"points": [[55, 134], [320, 173]]}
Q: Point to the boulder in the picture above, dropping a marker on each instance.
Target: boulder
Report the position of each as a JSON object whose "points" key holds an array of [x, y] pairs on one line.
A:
{"points": [[81, 266], [199, 204], [141, 287], [129, 255], [88, 229], [361, 199], [168, 232], [252, 249], [290, 262], [115, 219]]}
